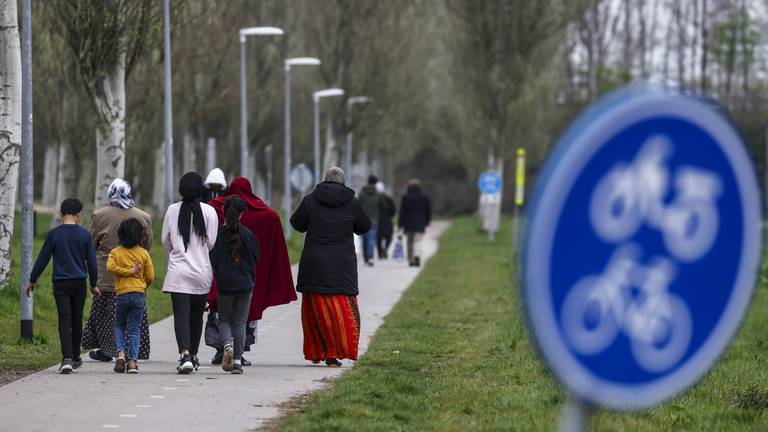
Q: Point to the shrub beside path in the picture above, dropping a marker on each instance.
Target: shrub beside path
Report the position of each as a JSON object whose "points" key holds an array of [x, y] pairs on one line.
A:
{"points": [[157, 399]]}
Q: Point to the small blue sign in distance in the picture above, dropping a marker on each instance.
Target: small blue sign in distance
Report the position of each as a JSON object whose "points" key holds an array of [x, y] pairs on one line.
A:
{"points": [[489, 183], [642, 248]]}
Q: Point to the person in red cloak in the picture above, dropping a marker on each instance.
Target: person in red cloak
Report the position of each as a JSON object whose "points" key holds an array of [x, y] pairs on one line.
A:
{"points": [[274, 281]]}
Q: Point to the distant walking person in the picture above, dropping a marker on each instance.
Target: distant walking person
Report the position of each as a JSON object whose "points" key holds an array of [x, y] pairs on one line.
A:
{"points": [[74, 260], [189, 233], [99, 333], [414, 217], [273, 281], [234, 260], [370, 200], [215, 185], [134, 272], [330, 317], [385, 229]]}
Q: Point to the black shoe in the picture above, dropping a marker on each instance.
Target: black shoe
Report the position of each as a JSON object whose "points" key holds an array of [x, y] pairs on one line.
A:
{"points": [[237, 369], [417, 262], [217, 358], [195, 362], [244, 362], [99, 355], [66, 366], [185, 366], [120, 365], [76, 363]]}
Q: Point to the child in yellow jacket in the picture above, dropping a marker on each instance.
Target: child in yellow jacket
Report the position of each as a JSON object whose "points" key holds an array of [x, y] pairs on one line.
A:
{"points": [[134, 272]]}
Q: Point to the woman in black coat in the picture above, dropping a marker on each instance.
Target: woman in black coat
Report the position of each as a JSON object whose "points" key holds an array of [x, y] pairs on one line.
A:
{"points": [[330, 318], [415, 215]]}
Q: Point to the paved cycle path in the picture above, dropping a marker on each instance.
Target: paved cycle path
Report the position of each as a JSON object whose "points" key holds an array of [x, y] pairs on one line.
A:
{"points": [[94, 398]]}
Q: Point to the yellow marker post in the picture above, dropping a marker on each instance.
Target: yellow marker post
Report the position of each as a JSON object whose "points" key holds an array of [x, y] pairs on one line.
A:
{"points": [[520, 177], [519, 191]]}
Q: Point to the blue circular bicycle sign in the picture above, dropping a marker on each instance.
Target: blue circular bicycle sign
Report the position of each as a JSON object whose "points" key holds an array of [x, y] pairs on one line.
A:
{"points": [[489, 183], [642, 247]]}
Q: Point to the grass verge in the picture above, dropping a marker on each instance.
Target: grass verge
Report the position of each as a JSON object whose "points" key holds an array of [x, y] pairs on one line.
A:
{"points": [[454, 355]]}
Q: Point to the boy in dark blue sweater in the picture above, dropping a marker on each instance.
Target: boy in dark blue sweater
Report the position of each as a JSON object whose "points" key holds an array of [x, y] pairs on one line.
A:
{"points": [[74, 260]]}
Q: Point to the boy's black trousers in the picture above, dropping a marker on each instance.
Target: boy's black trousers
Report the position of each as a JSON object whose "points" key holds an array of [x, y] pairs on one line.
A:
{"points": [[70, 300]]}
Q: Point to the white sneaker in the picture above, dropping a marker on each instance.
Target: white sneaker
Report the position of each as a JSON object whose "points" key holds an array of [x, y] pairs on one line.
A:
{"points": [[185, 366], [227, 363]]}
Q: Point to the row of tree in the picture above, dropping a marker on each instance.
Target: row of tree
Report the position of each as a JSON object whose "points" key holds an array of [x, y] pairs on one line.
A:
{"points": [[456, 85]]}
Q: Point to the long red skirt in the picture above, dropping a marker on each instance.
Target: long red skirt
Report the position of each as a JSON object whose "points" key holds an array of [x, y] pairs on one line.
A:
{"points": [[331, 324]]}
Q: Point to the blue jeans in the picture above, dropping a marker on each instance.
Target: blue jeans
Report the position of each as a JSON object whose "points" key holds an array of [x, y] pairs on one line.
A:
{"points": [[130, 310], [369, 243]]}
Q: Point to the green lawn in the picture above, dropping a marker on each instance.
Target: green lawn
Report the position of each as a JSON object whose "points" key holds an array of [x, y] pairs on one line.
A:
{"points": [[454, 355], [43, 351]]}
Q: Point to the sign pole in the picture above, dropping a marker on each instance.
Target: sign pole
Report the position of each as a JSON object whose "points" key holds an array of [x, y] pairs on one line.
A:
{"points": [[575, 415]]}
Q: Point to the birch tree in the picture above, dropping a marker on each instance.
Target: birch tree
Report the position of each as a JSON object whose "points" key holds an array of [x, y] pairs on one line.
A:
{"points": [[10, 128], [106, 37]]}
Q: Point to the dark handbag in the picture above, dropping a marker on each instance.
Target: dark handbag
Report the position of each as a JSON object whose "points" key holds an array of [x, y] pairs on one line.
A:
{"points": [[212, 338]]}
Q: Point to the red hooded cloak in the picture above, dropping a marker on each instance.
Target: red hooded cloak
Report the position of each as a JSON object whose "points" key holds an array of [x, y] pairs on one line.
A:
{"points": [[274, 281]]}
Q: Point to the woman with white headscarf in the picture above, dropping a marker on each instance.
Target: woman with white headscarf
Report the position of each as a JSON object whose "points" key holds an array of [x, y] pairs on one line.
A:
{"points": [[99, 333]]}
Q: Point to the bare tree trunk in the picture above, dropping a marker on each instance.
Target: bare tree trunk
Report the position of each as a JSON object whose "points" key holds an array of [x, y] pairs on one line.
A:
{"points": [[190, 151], [704, 45], [66, 178], [50, 174], [110, 135], [627, 52], [681, 40], [10, 128], [331, 157], [158, 189], [643, 39]]}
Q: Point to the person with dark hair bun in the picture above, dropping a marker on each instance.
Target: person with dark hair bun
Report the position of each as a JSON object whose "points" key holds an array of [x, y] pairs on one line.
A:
{"points": [[273, 281], [234, 265], [134, 272], [190, 229]]}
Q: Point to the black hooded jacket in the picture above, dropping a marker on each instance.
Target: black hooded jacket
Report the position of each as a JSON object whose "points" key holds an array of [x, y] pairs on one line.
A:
{"points": [[330, 215]]}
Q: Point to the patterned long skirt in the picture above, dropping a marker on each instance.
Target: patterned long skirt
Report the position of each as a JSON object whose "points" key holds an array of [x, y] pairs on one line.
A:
{"points": [[99, 331], [331, 324]]}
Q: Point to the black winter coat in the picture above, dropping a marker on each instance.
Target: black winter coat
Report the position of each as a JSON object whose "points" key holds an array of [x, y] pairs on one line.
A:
{"points": [[330, 215], [387, 211], [415, 211]]}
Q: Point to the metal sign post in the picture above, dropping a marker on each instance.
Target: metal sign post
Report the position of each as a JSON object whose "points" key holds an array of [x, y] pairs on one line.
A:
{"points": [[642, 249], [490, 185]]}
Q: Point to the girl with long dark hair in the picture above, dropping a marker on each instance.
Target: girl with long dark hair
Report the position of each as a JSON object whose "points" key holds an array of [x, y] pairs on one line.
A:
{"points": [[234, 260], [190, 229]]}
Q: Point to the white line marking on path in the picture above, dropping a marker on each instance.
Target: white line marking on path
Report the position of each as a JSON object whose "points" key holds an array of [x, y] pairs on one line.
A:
{"points": [[127, 415], [182, 380], [143, 406], [110, 426], [156, 397], [169, 388]]}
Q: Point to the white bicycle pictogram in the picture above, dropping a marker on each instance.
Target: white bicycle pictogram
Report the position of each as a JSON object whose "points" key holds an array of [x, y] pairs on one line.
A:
{"points": [[634, 299], [631, 195]]}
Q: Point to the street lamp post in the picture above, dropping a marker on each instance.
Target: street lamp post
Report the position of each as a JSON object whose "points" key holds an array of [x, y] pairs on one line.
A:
{"points": [[26, 175], [296, 61], [167, 103], [348, 148], [331, 92], [244, 33]]}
